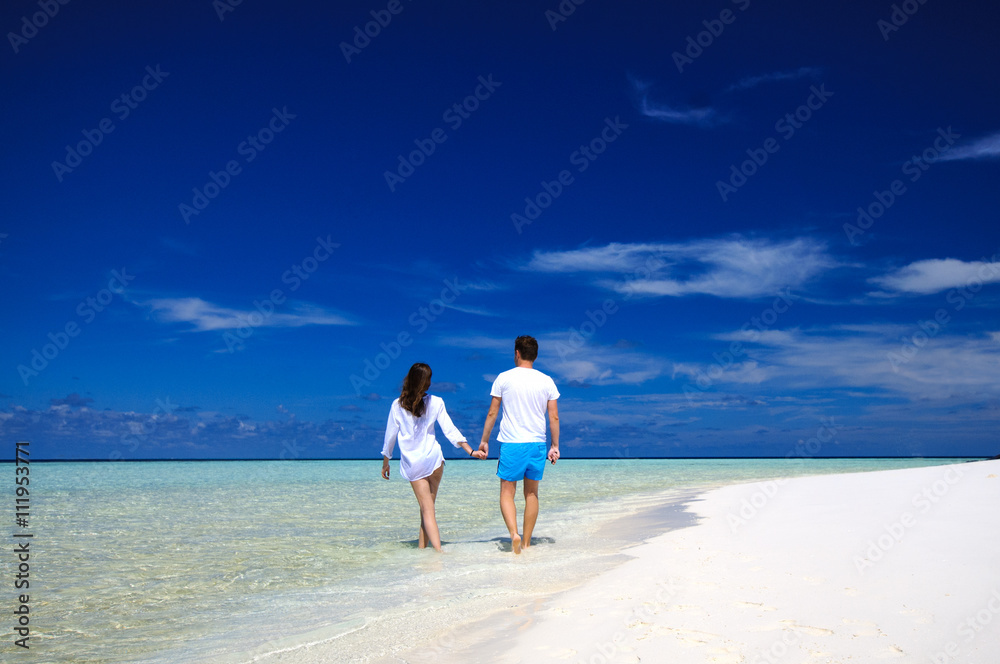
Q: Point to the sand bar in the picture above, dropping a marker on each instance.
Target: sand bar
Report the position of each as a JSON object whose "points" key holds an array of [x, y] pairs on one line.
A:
{"points": [[899, 565]]}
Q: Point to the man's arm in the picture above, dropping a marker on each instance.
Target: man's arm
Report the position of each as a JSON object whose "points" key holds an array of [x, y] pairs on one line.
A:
{"points": [[491, 418], [553, 409]]}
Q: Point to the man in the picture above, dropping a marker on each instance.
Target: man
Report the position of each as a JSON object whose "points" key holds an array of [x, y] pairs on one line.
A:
{"points": [[526, 396]]}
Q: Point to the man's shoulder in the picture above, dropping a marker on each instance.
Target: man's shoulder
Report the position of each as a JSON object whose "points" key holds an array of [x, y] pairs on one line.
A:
{"points": [[541, 375], [528, 375]]}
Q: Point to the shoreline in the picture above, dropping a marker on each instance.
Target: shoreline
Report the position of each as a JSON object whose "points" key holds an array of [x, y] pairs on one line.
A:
{"points": [[626, 582], [898, 565], [526, 583]]}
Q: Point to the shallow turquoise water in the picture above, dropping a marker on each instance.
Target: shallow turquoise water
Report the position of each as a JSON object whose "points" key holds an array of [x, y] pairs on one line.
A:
{"points": [[201, 561]]}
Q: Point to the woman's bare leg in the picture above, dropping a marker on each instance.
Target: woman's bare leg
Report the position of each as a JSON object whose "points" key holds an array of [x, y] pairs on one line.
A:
{"points": [[426, 492]]}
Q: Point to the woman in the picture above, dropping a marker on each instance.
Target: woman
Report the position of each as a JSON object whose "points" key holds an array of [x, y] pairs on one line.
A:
{"points": [[411, 420]]}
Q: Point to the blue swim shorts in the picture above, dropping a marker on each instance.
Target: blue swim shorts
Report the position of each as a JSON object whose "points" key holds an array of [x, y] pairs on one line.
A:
{"points": [[520, 461]]}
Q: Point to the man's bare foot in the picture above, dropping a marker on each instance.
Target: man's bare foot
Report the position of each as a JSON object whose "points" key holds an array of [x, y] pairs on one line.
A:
{"points": [[515, 543]]}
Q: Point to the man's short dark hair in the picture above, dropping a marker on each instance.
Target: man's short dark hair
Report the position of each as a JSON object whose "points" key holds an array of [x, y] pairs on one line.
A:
{"points": [[527, 347]]}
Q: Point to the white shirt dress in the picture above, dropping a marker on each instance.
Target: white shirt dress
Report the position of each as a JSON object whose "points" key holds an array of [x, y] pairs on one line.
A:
{"points": [[419, 451]]}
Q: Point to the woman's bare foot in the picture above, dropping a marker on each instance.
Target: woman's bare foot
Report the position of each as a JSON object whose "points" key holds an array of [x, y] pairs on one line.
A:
{"points": [[515, 543]]}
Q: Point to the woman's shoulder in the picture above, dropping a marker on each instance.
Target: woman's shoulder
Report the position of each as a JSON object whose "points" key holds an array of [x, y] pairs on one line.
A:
{"points": [[434, 403]]}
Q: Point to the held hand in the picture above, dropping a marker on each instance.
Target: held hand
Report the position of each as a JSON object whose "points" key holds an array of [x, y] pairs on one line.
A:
{"points": [[385, 471], [554, 454], [484, 449], [479, 454]]}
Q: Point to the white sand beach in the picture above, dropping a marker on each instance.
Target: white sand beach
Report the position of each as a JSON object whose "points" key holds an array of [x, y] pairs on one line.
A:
{"points": [[899, 565]]}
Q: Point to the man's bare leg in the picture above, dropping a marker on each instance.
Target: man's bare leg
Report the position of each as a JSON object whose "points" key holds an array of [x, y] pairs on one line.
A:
{"points": [[530, 510], [509, 511]]}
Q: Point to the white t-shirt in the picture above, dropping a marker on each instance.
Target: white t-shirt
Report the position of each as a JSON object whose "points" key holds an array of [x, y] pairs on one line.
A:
{"points": [[524, 396], [419, 452]]}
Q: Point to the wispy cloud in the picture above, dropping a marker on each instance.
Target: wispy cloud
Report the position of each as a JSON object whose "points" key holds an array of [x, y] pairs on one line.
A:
{"points": [[753, 81], [734, 267], [706, 116], [475, 311], [109, 434], [603, 366], [864, 357], [987, 147], [570, 362], [674, 114], [749, 372], [206, 317], [937, 274], [73, 400], [480, 342]]}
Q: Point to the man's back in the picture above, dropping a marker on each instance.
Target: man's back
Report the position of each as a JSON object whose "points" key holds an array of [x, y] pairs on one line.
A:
{"points": [[524, 393]]}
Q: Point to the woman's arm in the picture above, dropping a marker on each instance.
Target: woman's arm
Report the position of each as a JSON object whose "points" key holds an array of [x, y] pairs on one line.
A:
{"points": [[449, 428], [452, 432], [391, 432]]}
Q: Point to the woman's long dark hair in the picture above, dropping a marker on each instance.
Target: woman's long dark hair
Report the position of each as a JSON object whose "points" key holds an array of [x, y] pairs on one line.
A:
{"points": [[414, 388]]}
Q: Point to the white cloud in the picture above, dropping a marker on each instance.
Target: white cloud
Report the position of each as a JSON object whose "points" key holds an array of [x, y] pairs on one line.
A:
{"points": [[205, 316], [735, 267], [84, 433], [753, 81], [938, 274], [480, 342], [570, 362], [665, 113], [676, 115], [987, 147], [749, 372], [910, 360], [475, 311], [601, 366]]}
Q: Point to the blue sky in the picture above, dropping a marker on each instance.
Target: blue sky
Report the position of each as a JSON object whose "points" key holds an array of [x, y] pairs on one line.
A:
{"points": [[736, 228]]}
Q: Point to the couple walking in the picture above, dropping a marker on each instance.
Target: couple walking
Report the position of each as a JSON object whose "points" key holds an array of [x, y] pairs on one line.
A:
{"points": [[527, 397]]}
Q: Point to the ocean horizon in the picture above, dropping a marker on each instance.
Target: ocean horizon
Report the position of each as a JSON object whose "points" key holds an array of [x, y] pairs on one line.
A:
{"points": [[463, 458]]}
